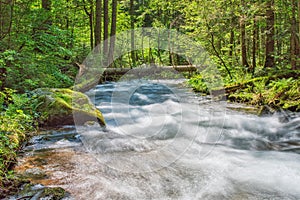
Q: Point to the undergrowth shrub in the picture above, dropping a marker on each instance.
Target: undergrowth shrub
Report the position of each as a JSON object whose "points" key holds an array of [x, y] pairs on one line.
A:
{"points": [[15, 123]]}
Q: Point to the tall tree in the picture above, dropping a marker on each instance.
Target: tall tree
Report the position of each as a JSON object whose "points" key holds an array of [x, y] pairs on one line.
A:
{"points": [[243, 41], [98, 27], [6, 18], [243, 36], [299, 33], [295, 46], [113, 31], [254, 44], [90, 13], [270, 33], [105, 30], [46, 5], [132, 19]]}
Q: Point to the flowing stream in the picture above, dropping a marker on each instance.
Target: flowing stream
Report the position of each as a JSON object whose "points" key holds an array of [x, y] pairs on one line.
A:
{"points": [[162, 141]]}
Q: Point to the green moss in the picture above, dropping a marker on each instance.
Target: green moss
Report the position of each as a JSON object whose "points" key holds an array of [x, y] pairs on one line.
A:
{"points": [[274, 91], [27, 190], [292, 105], [241, 97], [55, 193], [60, 106], [31, 191]]}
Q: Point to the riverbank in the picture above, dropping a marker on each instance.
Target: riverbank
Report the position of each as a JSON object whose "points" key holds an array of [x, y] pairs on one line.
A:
{"points": [[21, 115], [17, 125], [278, 91]]}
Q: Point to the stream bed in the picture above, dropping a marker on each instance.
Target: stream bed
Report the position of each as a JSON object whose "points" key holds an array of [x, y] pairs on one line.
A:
{"points": [[162, 141]]}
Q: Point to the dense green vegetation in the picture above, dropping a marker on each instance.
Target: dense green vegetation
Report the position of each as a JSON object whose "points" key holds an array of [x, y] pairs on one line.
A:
{"points": [[40, 41], [276, 91], [16, 125], [255, 46]]}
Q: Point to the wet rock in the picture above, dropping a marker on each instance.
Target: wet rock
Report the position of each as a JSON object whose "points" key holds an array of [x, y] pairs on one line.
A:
{"points": [[38, 191], [34, 173], [243, 108], [55, 193], [266, 110], [64, 107], [11, 185], [40, 161]]}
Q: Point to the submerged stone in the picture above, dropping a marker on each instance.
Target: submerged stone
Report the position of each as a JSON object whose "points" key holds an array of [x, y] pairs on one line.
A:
{"points": [[34, 173], [64, 107], [38, 191], [53, 193]]}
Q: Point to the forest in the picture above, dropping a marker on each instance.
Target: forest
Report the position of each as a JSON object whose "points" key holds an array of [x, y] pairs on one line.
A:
{"points": [[254, 44]]}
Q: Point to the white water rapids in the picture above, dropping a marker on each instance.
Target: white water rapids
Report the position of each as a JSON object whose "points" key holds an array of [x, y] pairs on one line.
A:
{"points": [[164, 142]]}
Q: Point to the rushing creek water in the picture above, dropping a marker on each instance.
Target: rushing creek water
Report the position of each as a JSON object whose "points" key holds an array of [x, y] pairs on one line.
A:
{"points": [[165, 142]]}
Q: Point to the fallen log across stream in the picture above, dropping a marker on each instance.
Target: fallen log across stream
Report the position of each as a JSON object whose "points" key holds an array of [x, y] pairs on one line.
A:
{"points": [[113, 74], [123, 71]]}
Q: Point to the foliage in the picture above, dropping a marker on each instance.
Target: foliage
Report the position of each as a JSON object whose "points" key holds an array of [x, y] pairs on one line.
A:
{"points": [[42, 46], [15, 125], [279, 93], [39, 64], [273, 90], [198, 84], [284, 93]]}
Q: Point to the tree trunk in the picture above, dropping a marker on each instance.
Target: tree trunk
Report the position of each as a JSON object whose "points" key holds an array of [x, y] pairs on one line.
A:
{"points": [[105, 29], [142, 49], [270, 42], [113, 31], [98, 24], [261, 45], [243, 42], [132, 19], [46, 5], [254, 45], [231, 46], [6, 18], [91, 20], [295, 51], [299, 18], [1, 20], [90, 14]]}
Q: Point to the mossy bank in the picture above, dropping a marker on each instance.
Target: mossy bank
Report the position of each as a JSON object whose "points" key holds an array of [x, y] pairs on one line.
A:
{"points": [[21, 115], [276, 91]]}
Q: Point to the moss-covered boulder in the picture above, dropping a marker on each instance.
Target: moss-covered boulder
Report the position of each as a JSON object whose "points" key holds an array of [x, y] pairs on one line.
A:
{"points": [[31, 191], [64, 107]]}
